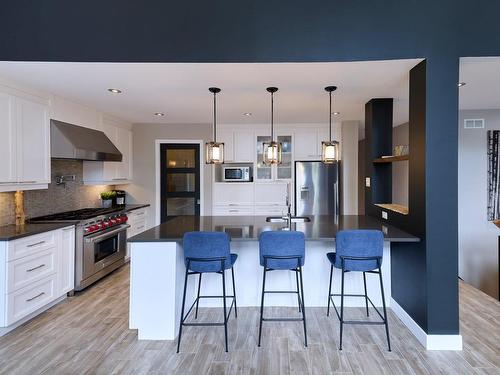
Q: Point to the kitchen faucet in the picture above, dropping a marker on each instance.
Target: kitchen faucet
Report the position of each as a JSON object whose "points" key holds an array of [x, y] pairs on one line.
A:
{"points": [[288, 216]]}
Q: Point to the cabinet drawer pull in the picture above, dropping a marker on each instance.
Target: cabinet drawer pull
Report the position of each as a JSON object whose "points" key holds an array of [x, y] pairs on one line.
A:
{"points": [[35, 268], [36, 243], [27, 182], [35, 297], [119, 179], [141, 227], [232, 204], [233, 210], [139, 214], [7, 182]]}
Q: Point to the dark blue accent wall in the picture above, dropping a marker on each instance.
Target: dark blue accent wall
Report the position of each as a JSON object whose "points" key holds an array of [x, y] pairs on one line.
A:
{"points": [[297, 30]]}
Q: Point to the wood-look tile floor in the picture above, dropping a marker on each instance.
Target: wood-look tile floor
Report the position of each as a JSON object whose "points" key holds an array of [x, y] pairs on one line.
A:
{"points": [[88, 334]]}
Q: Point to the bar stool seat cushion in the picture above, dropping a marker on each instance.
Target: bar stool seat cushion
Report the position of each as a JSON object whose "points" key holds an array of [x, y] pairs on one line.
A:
{"points": [[357, 243], [208, 245], [282, 243]]}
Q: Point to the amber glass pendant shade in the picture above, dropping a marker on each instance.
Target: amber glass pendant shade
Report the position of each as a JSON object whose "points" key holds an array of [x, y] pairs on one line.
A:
{"points": [[214, 152], [272, 153]]}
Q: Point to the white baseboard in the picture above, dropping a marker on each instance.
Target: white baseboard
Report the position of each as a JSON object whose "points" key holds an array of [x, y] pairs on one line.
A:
{"points": [[430, 342]]}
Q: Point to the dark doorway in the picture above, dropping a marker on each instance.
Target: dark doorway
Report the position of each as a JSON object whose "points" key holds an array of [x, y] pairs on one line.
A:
{"points": [[180, 180]]}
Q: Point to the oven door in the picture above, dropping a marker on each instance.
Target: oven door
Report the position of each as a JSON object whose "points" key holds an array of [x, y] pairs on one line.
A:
{"points": [[102, 249], [233, 174]]}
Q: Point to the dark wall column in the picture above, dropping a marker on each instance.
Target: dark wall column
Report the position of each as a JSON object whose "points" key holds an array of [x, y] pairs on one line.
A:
{"points": [[441, 151]]}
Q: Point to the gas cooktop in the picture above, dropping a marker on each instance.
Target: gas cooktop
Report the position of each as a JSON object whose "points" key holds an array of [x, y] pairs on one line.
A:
{"points": [[77, 215]]}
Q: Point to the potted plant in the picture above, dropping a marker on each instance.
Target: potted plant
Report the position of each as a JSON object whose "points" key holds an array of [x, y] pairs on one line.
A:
{"points": [[107, 198]]}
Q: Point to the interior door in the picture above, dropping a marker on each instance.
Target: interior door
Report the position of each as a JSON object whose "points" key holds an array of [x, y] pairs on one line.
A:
{"points": [[180, 180]]}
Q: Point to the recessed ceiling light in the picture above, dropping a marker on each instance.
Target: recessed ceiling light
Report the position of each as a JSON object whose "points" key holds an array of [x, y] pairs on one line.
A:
{"points": [[247, 114], [115, 91], [159, 114], [460, 84], [335, 113]]}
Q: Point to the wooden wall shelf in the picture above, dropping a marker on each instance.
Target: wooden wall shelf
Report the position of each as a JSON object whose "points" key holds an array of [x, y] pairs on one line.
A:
{"points": [[400, 209], [391, 159]]}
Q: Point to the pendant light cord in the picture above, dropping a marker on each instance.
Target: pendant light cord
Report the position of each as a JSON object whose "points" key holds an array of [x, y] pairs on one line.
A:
{"points": [[330, 129], [272, 116], [215, 118]]}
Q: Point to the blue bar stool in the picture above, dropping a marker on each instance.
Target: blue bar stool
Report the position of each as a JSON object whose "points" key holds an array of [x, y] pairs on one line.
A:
{"points": [[358, 250], [282, 250], [206, 252]]}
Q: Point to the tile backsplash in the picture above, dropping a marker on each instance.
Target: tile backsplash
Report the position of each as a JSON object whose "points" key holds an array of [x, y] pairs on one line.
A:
{"points": [[72, 195]]}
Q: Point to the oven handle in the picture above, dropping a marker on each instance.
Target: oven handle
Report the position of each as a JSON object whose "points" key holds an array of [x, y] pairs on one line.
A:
{"points": [[107, 234]]}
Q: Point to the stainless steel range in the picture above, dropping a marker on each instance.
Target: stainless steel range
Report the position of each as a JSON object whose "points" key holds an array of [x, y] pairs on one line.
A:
{"points": [[101, 241]]}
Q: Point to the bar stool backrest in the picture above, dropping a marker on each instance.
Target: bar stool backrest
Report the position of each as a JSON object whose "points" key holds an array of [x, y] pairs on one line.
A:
{"points": [[282, 244], [206, 245], [360, 243]]}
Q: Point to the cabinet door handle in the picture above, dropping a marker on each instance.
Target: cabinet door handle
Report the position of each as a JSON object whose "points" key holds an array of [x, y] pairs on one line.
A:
{"points": [[36, 243], [35, 268], [141, 227], [139, 214], [35, 297]]}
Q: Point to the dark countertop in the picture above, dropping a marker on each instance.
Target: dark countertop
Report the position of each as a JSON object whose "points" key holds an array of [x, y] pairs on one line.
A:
{"points": [[132, 207], [13, 232], [248, 228]]}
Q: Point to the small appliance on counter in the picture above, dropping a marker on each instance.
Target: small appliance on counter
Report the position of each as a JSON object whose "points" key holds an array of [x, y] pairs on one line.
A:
{"points": [[119, 200]]}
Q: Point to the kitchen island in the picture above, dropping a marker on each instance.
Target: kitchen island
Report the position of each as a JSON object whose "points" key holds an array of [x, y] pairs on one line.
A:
{"points": [[157, 268]]}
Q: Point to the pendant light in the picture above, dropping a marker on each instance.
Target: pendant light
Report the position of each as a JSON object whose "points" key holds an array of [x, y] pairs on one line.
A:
{"points": [[330, 148], [272, 149], [214, 149]]}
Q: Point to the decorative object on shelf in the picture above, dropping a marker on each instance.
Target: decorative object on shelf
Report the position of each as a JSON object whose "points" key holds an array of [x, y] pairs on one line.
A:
{"points": [[19, 206], [272, 150], [214, 149], [330, 148], [107, 198], [401, 150]]}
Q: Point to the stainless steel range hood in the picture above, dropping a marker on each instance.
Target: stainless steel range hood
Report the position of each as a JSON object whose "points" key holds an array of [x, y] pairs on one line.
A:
{"points": [[76, 142]]}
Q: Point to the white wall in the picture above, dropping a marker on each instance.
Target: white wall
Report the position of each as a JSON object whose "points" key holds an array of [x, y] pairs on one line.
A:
{"points": [[478, 238]]}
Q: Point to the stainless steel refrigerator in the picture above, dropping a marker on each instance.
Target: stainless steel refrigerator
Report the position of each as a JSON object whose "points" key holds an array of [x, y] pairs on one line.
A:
{"points": [[316, 188]]}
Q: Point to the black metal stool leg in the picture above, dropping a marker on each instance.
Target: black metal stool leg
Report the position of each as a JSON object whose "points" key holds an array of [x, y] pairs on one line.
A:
{"points": [[342, 307], [329, 291], [303, 308], [224, 301], [385, 311], [198, 298], [234, 294], [366, 295], [182, 309], [298, 290], [262, 303]]}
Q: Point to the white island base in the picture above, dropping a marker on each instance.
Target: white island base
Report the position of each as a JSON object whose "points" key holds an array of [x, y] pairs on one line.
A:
{"points": [[157, 280]]}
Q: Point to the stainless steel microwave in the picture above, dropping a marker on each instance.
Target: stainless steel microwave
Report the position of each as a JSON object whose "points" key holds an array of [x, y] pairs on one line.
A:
{"points": [[236, 174]]}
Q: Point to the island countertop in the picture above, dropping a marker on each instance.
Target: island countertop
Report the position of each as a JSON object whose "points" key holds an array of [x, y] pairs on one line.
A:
{"points": [[248, 228]]}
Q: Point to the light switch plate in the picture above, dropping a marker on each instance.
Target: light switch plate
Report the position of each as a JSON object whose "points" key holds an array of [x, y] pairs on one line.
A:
{"points": [[367, 181], [384, 215]]}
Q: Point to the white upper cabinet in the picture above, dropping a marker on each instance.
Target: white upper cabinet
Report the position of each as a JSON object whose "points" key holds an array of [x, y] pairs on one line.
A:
{"points": [[33, 144], [243, 146], [7, 140], [24, 144], [238, 145], [227, 137], [112, 172]]}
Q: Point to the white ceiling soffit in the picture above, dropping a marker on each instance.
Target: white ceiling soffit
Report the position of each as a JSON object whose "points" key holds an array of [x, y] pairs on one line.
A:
{"points": [[481, 76], [181, 90]]}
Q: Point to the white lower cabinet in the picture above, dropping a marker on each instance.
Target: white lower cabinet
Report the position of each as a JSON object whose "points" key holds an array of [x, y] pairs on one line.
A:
{"points": [[250, 199], [137, 219], [38, 270]]}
